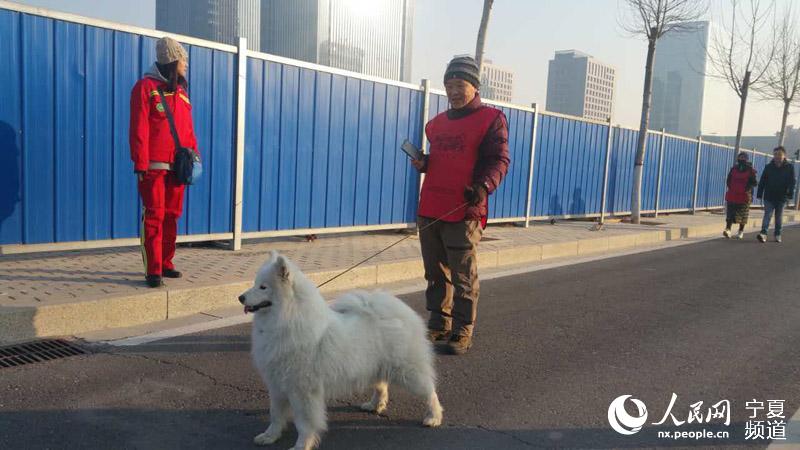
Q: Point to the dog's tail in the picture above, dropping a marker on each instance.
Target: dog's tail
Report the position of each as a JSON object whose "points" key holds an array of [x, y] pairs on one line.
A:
{"points": [[381, 307], [353, 302]]}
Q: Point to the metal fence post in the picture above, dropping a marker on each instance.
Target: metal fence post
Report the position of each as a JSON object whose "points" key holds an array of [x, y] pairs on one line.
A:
{"points": [[697, 175], [753, 159], [605, 173], [241, 96], [660, 169], [530, 166], [426, 106], [797, 187]]}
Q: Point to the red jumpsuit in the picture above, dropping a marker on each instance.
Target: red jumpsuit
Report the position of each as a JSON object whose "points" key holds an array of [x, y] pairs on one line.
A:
{"points": [[152, 152]]}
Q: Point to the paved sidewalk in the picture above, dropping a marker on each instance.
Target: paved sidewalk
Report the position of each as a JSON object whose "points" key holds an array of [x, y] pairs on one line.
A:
{"points": [[67, 293]]}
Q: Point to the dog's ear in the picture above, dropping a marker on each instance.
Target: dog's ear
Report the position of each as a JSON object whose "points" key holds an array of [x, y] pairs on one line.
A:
{"points": [[273, 255], [282, 266]]}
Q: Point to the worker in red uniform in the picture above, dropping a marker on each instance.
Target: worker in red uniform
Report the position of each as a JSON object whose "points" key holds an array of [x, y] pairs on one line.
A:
{"points": [[468, 160], [153, 151]]}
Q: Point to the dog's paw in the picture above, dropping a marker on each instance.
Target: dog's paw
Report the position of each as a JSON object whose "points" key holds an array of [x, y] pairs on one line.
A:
{"points": [[373, 408], [310, 445], [266, 438], [432, 421]]}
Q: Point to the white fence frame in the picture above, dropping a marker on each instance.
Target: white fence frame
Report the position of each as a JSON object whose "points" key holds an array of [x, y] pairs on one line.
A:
{"points": [[237, 235]]}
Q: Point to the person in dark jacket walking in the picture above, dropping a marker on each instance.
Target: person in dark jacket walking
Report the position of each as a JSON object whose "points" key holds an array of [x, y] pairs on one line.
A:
{"points": [[153, 152], [468, 160], [741, 181], [776, 187]]}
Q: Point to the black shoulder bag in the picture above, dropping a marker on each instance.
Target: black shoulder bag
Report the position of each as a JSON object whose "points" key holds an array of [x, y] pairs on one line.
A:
{"points": [[186, 166]]}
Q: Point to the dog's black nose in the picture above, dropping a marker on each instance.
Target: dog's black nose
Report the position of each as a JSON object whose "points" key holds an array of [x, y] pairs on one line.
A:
{"points": [[241, 299]]}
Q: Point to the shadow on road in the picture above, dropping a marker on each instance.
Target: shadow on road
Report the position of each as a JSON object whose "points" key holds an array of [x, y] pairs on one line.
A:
{"points": [[234, 429]]}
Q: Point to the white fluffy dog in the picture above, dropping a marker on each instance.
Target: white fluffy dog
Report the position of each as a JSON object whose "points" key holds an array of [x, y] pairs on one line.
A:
{"points": [[308, 351]]}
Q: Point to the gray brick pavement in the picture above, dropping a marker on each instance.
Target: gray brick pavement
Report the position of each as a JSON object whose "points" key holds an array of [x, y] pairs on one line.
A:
{"points": [[37, 279]]}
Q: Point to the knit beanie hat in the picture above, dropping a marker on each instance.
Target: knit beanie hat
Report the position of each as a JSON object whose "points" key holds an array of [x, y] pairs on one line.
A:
{"points": [[169, 50], [464, 68]]}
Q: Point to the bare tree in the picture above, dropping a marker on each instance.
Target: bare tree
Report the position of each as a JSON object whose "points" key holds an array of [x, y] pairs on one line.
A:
{"points": [[653, 19], [487, 9], [739, 55], [782, 80]]}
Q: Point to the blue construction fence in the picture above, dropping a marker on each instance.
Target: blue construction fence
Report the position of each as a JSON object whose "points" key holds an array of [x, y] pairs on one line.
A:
{"points": [[320, 145]]}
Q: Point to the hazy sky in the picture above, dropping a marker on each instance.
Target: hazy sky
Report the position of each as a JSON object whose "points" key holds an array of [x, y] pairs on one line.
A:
{"points": [[523, 34]]}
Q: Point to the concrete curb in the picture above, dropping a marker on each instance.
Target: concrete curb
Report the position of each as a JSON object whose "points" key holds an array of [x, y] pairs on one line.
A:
{"points": [[26, 323]]}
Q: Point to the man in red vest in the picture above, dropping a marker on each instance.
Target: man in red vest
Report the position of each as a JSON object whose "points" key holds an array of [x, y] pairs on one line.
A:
{"points": [[467, 161]]}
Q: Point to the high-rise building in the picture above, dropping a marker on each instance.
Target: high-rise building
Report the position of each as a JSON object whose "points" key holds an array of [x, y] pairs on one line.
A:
{"points": [[371, 37], [686, 100], [580, 85], [497, 83], [215, 20]]}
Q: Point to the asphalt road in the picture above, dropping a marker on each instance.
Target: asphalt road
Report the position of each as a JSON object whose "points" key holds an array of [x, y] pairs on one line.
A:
{"points": [[712, 321]]}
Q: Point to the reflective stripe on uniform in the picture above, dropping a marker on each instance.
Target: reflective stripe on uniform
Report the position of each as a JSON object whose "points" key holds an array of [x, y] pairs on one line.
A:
{"points": [[141, 243], [155, 94], [169, 94]]}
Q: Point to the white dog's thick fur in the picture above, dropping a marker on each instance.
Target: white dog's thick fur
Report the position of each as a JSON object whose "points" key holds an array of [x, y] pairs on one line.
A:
{"points": [[308, 351]]}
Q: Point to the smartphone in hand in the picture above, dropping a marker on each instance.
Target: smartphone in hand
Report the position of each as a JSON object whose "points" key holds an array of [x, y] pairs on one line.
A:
{"points": [[409, 149]]}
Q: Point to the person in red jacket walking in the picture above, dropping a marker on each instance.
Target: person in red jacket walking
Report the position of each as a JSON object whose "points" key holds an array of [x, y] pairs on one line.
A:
{"points": [[467, 161], [741, 181], [153, 151]]}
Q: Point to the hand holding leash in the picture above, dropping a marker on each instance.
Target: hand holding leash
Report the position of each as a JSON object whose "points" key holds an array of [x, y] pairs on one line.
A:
{"points": [[475, 194], [439, 219]]}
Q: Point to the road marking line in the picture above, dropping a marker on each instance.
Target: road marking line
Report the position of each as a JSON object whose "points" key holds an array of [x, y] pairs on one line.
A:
{"points": [[180, 331]]}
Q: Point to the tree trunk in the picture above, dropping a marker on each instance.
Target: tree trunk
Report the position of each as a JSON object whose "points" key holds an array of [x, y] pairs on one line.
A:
{"points": [[638, 167], [487, 9], [782, 136], [742, 104]]}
